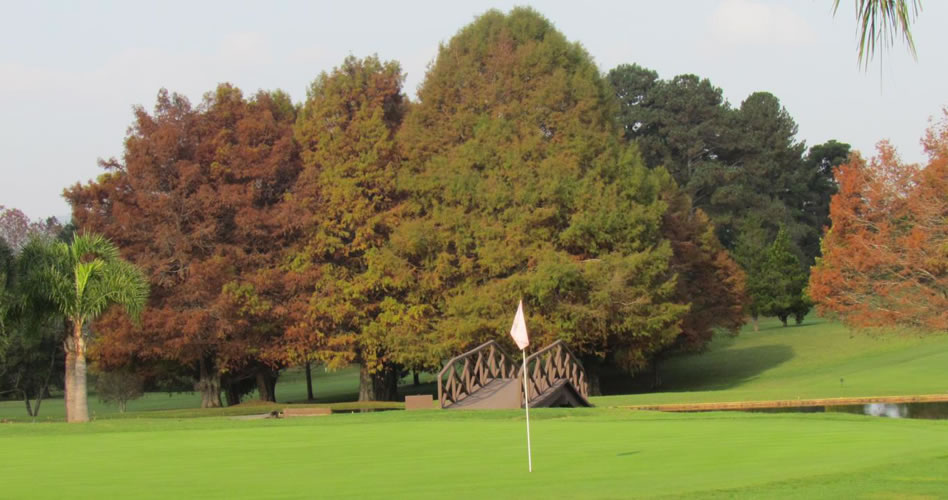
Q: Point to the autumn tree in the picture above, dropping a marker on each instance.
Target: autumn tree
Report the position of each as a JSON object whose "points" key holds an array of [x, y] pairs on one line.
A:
{"points": [[521, 186], [351, 309], [885, 259], [195, 202]]}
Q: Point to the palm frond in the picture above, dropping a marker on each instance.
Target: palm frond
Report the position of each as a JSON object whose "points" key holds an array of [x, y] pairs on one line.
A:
{"points": [[88, 246], [881, 22]]}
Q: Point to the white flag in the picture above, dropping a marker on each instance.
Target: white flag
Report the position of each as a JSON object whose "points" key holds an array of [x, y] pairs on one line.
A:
{"points": [[519, 329]]}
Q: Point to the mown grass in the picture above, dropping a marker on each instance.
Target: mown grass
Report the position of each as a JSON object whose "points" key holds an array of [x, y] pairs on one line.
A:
{"points": [[818, 359], [579, 453], [337, 389]]}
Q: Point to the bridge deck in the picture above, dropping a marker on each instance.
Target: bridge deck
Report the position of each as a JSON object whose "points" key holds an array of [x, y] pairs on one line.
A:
{"points": [[500, 393]]}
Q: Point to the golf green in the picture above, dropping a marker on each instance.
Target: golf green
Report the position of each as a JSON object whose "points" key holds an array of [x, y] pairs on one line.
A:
{"points": [[578, 453]]}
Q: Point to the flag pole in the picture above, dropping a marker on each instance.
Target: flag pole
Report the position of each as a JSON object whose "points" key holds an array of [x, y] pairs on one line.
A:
{"points": [[519, 333], [526, 404]]}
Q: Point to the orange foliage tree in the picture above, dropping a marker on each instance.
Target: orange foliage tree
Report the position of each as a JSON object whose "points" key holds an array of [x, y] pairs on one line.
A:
{"points": [[885, 260], [196, 203]]}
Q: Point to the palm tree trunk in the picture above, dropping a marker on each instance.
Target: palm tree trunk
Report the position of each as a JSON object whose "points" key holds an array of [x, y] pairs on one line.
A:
{"points": [[77, 406], [69, 379], [81, 399]]}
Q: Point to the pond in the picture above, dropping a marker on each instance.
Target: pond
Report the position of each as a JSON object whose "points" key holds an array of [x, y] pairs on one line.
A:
{"points": [[888, 410]]}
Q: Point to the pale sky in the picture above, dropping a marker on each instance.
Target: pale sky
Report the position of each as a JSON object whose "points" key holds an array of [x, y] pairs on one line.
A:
{"points": [[70, 72]]}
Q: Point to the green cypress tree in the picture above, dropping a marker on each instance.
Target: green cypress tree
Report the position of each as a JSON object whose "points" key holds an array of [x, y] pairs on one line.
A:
{"points": [[521, 186], [785, 279], [751, 253]]}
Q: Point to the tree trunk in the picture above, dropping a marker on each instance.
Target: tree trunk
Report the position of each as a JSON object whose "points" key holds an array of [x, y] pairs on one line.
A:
{"points": [[26, 399], [266, 384], [592, 367], [386, 384], [656, 374], [783, 319], [309, 383], [366, 389], [754, 322], [80, 412], [39, 401], [69, 379], [379, 386], [44, 391], [77, 406], [233, 397], [415, 381], [209, 383]]}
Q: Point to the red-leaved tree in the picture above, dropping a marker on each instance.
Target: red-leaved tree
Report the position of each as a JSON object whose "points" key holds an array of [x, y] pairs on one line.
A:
{"points": [[195, 202]]}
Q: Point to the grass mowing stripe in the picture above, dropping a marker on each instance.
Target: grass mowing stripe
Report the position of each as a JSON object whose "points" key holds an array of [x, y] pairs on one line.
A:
{"points": [[591, 454]]}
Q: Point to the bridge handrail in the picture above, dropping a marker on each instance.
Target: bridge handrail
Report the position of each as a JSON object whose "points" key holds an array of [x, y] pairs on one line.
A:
{"points": [[468, 372], [553, 362]]}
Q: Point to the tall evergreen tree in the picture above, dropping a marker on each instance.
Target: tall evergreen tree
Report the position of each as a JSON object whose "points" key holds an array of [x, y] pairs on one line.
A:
{"points": [[751, 253], [521, 187], [785, 279]]}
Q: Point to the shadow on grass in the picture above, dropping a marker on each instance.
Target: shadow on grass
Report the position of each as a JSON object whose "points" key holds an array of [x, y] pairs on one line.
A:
{"points": [[711, 371]]}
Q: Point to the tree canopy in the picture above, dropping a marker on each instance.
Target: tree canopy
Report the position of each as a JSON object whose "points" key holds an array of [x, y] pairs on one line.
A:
{"points": [[82, 279], [520, 186], [885, 259], [351, 307], [195, 202]]}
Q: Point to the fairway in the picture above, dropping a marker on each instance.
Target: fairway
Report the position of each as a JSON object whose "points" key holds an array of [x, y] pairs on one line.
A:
{"points": [[818, 359], [592, 453]]}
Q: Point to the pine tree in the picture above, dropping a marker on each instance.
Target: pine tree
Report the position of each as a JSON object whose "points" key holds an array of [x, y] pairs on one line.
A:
{"points": [[784, 280]]}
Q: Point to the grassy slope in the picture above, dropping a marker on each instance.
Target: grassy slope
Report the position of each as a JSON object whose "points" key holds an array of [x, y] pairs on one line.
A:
{"points": [[805, 361], [595, 453], [818, 359]]}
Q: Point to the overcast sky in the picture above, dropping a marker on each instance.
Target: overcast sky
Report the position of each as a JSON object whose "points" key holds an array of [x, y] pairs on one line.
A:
{"points": [[70, 72]]}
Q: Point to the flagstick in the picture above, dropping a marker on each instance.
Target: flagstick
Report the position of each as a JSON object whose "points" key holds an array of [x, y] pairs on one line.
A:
{"points": [[526, 404]]}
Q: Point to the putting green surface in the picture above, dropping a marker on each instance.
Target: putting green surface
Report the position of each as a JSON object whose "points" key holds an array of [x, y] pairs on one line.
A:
{"points": [[579, 453]]}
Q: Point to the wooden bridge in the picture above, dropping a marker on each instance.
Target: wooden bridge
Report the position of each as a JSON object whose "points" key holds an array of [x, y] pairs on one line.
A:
{"points": [[487, 378]]}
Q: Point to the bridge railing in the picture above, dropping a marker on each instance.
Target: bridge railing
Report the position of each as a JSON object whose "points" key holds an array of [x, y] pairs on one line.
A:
{"points": [[464, 374], [550, 364]]}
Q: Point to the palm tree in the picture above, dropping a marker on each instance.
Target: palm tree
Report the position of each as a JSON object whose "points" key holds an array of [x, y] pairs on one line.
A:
{"points": [[881, 22], [82, 280]]}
